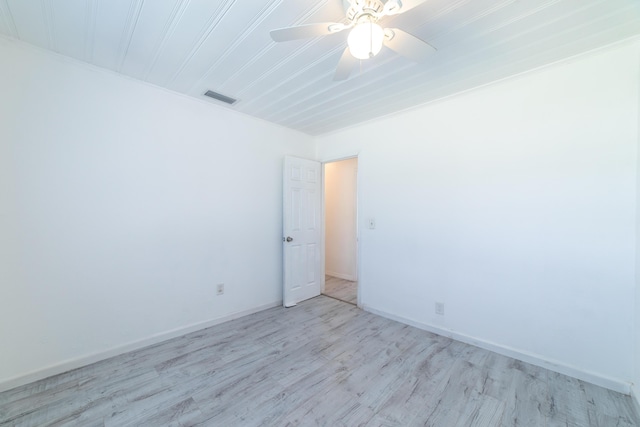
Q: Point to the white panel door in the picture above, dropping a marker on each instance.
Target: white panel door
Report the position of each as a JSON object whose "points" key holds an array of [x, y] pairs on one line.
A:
{"points": [[302, 230]]}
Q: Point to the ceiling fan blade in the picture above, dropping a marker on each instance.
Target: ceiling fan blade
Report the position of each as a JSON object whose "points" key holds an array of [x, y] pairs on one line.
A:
{"points": [[306, 31], [407, 45], [409, 4], [393, 7], [345, 66]]}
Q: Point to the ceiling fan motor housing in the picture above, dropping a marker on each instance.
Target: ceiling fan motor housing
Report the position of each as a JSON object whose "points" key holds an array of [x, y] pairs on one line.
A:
{"points": [[366, 37], [360, 8]]}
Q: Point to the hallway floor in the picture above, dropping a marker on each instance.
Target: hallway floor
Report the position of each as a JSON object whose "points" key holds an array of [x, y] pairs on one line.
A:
{"points": [[343, 290]]}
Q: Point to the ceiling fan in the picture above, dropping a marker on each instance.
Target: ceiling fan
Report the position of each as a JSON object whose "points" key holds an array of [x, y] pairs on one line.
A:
{"points": [[366, 37]]}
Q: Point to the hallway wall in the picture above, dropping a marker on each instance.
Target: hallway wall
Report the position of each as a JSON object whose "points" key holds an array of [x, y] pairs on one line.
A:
{"points": [[340, 219]]}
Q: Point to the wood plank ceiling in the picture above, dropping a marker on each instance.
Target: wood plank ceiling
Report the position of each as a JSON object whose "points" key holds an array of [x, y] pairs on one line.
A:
{"points": [[191, 46]]}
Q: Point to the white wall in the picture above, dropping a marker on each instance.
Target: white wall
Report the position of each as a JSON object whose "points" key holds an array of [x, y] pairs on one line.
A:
{"points": [[636, 380], [121, 207], [515, 206], [340, 185]]}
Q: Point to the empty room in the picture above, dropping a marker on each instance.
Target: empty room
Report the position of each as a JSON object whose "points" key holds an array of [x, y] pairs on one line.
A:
{"points": [[168, 245]]}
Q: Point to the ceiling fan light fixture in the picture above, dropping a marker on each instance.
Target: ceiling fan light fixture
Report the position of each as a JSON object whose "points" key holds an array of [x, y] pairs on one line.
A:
{"points": [[365, 40]]}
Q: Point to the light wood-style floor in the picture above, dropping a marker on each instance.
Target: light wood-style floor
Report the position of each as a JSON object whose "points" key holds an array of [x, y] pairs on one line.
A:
{"points": [[323, 362], [341, 289]]}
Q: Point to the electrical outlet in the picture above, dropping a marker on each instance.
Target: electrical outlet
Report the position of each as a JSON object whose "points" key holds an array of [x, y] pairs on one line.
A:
{"points": [[220, 289], [440, 308]]}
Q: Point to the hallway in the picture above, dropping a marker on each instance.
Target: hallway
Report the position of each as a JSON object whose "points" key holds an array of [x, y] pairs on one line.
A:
{"points": [[340, 289]]}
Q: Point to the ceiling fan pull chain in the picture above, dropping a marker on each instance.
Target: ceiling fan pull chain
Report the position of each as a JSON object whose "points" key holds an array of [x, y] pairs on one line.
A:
{"points": [[370, 40]]}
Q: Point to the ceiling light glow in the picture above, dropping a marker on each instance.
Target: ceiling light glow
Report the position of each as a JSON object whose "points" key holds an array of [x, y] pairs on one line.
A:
{"points": [[365, 40]]}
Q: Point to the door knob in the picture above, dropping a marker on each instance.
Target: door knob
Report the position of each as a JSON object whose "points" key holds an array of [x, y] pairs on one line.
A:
{"points": [[289, 239]]}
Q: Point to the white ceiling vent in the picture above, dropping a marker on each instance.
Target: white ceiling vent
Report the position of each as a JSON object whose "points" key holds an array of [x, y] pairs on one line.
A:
{"points": [[220, 97]]}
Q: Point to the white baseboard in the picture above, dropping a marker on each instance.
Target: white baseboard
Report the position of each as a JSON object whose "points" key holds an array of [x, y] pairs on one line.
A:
{"points": [[79, 362], [349, 277], [534, 359]]}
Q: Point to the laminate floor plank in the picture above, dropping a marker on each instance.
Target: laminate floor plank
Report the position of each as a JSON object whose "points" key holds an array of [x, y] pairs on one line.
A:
{"points": [[323, 383], [32, 389], [496, 377], [341, 289], [322, 362], [65, 412], [340, 408], [626, 409], [430, 377], [526, 401], [568, 402], [394, 376], [454, 398], [185, 413], [46, 406], [485, 412], [487, 397]]}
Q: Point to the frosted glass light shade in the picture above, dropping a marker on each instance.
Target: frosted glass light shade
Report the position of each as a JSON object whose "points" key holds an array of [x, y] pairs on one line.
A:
{"points": [[365, 40]]}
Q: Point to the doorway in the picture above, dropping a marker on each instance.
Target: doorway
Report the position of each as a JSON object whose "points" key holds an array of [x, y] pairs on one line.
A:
{"points": [[341, 230]]}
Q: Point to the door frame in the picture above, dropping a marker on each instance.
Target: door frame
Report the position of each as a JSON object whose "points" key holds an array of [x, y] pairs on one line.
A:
{"points": [[323, 162]]}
